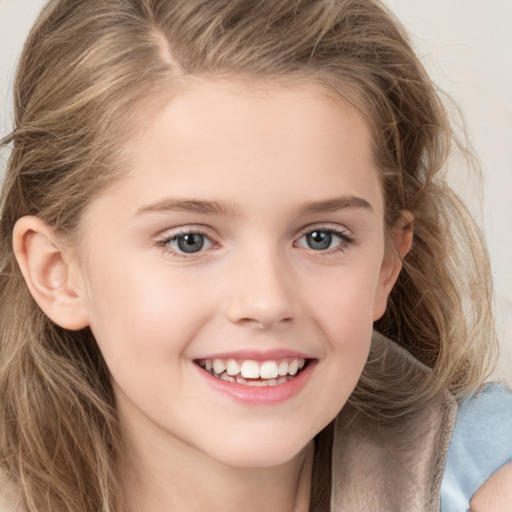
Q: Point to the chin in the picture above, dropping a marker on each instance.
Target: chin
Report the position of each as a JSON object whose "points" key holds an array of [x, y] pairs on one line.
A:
{"points": [[260, 453]]}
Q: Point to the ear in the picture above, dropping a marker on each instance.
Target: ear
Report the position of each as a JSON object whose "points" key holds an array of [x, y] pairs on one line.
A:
{"points": [[50, 272], [402, 236]]}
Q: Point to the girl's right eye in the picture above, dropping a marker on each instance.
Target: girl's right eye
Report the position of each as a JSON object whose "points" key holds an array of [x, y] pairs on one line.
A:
{"points": [[182, 244]]}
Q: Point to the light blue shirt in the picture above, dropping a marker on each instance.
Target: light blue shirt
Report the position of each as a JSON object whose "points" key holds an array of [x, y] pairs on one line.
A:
{"points": [[481, 443]]}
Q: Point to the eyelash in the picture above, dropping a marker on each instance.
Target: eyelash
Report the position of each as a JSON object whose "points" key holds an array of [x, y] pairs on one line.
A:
{"points": [[346, 240], [165, 243]]}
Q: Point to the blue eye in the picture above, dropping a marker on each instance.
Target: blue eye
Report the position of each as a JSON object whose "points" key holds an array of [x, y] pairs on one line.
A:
{"points": [[190, 243], [319, 240], [323, 239], [182, 244]]}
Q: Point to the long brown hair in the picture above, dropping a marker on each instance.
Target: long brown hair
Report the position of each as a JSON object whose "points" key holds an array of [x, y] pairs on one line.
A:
{"points": [[87, 68]]}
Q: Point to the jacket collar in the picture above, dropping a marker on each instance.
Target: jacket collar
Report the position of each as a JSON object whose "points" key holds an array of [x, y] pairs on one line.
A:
{"points": [[392, 467]]}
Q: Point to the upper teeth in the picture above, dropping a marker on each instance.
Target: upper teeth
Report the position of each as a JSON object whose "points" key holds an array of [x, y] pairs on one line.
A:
{"points": [[250, 369]]}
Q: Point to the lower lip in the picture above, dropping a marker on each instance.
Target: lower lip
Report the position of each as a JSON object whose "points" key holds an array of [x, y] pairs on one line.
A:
{"points": [[259, 395]]}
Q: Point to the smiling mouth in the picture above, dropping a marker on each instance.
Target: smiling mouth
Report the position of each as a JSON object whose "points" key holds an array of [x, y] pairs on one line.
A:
{"points": [[254, 373]]}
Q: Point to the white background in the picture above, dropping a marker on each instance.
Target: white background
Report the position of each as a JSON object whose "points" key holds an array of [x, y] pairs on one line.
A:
{"points": [[467, 47]]}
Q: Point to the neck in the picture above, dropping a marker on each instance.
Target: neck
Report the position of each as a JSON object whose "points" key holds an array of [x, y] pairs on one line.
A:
{"points": [[181, 478]]}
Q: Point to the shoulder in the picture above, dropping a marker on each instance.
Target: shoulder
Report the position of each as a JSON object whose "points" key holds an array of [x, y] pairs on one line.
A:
{"points": [[496, 493], [9, 496], [481, 444]]}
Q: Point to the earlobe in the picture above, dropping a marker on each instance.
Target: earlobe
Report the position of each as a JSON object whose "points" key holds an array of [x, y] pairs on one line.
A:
{"points": [[46, 268], [392, 263]]}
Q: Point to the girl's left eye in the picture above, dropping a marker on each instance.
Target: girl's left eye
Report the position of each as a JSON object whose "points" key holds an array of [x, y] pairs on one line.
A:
{"points": [[187, 243], [324, 239]]}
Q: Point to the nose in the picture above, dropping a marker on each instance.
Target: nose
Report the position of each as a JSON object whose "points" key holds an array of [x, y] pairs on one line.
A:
{"points": [[262, 292]]}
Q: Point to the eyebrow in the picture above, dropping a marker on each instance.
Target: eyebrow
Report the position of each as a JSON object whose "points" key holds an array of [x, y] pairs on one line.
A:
{"points": [[336, 204], [188, 205], [216, 208]]}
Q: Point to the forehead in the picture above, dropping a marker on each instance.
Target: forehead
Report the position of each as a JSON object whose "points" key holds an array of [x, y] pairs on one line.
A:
{"points": [[226, 140]]}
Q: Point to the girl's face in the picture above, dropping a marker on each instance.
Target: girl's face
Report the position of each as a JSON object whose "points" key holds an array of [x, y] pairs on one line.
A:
{"points": [[246, 242]]}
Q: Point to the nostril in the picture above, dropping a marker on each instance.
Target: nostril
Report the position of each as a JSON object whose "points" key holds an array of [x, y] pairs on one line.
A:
{"points": [[264, 321]]}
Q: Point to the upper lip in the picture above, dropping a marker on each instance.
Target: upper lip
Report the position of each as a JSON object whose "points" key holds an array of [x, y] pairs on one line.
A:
{"points": [[258, 355]]}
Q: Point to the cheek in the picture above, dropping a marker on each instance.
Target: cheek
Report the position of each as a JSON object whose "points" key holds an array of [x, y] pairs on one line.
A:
{"points": [[343, 309], [139, 313], [344, 298], [346, 323]]}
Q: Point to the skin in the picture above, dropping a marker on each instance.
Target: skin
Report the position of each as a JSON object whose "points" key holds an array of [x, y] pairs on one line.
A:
{"points": [[495, 495], [272, 167]]}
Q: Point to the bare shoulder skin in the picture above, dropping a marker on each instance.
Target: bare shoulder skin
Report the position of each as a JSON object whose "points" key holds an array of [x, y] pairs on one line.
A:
{"points": [[495, 495]]}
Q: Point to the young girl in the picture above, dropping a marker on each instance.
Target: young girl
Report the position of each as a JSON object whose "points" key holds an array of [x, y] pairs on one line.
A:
{"points": [[232, 274]]}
